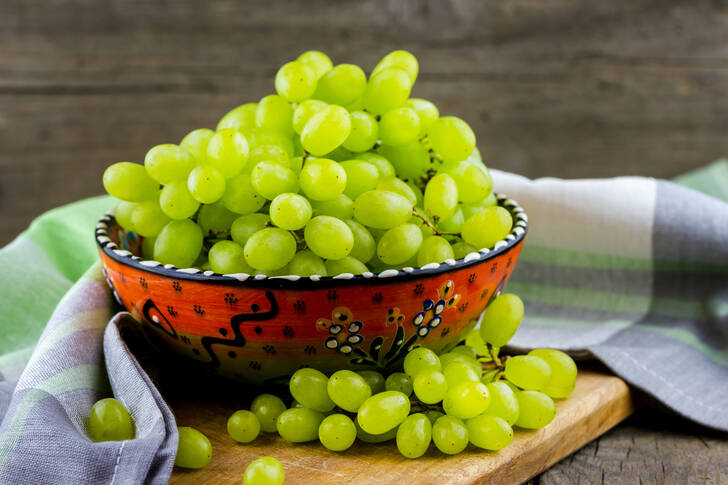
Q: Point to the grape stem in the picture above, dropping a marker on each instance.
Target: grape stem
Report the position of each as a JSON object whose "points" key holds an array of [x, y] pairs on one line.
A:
{"points": [[494, 356], [432, 226]]}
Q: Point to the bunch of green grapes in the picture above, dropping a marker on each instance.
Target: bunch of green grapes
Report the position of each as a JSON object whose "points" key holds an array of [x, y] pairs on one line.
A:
{"points": [[335, 173]]}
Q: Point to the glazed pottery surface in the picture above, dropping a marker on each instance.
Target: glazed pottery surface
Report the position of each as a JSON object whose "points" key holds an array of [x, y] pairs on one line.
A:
{"points": [[258, 329]]}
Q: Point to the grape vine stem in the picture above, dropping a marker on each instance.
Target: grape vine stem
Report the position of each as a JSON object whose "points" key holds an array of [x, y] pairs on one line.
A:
{"points": [[432, 226]]}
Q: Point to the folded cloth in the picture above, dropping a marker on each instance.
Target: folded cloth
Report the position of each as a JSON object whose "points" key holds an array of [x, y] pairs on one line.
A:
{"points": [[632, 271]]}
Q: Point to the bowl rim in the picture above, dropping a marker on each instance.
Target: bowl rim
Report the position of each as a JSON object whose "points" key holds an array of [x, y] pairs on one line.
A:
{"points": [[126, 258]]}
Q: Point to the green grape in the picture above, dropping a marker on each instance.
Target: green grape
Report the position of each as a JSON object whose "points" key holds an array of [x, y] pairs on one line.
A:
{"points": [[383, 412], [420, 359], [399, 244], [215, 218], [364, 244], [148, 219], [487, 227], [357, 105], [374, 438], [489, 432], [400, 59], [465, 350], [536, 409], [274, 113], [245, 226], [364, 132], [299, 425], [386, 169], [243, 426], [304, 111], [179, 243], [563, 372], [295, 81], [270, 249], [434, 249], [528, 372], [374, 379], [345, 265], [466, 400], [148, 247], [267, 408], [475, 341], [441, 197], [398, 187], [260, 137], [195, 142], [328, 237], [501, 319], [326, 130], [472, 179], [339, 154], [426, 111], [433, 415], [381, 209], [489, 376], [306, 263], [414, 435], [342, 85], [361, 177], [269, 179], [337, 432], [461, 249], [451, 138], [177, 202], [316, 60], [450, 435], [348, 390], [454, 223], [399, 381], [206, 184], [167, 163], [226, 257], [309, 387], [124, 210], [296, 404], [513, 387], [399, 126], [503, 402], [430, 386], [341, 207], [193, 448], [387, 90], [264, 471], [227, 151], [290, 211], [418, 193], [240, 118], [296, 164], [267, 153], [110, 421], [129, 182], [411, 161], [322, 179], [452, 357], [460, 372], [240, 195]]}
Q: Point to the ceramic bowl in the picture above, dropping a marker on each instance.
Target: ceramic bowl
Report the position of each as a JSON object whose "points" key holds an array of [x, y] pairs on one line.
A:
{"points": [[259, 329]]}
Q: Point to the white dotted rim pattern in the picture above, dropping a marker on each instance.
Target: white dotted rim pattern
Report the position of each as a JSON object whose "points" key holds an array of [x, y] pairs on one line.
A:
{"points": [[123, 256]]}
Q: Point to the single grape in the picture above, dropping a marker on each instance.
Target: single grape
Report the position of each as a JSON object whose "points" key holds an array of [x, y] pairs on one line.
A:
{"points": [[269, 179], [309, 387], [241, 196], [411, 161], [374, 379], [536, 409], [130, 182], [215, 218], [375, 438], [382, 412], [270, 249], [466, 400], [397, 186], [227, 151], [290, 211], [348, 390], [452, 357], [433, 415], [459, 372], [563, 372], [381, 209], [501, 319], [241, 118], [328, 237], [414, 435], [452, 138], [260, 137], [322, 179], [450, 435], [226, 257], [124, 210], [399, 126], [461, 249], [306, 263], [295, 81], [110, 421], [400, 59], [264, 471], [399, 381], [337, 432], [193, 448], [399, 244], [347, 264], [364, 244], [434, 249], [316, 60], [466, 350], [243, 426], [453, 224], [441, 197], [420, 359], [472, 179], [304, 111], [177, 202], [326, 130], [267, 153], [503, 402], [528, 372], [245, 226], [489, 432], [361, 177], [386, 169], [195, 142], [167, 163], [206, 184], [267, 408], [430, 386], [342, 85], [339, 154], [299, 425], [179, 243], [148, 219], [275, 113], [387, 90], [364, 132], [426, 111], [148, 247]]}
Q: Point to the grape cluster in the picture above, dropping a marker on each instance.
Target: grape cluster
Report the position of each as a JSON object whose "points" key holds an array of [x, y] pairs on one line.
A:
{"points": [[336, 173]]}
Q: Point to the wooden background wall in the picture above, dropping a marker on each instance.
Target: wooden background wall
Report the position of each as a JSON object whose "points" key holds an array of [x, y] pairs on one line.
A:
{"points": [[569, 88]]}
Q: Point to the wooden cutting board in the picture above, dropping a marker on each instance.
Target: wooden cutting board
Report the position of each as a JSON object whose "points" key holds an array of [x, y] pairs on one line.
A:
{"points": [[599, 402]]}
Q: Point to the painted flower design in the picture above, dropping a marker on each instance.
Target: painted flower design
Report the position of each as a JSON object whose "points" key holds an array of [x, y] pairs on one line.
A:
{"points": [[343, 330], [431, 315]]}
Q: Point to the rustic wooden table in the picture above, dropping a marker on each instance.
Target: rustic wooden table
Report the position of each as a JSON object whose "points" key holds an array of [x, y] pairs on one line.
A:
{"points": [[551, 87]]}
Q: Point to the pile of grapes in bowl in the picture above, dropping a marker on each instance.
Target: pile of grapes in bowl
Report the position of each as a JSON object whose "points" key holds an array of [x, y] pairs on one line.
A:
{"points": [[337, 224]]}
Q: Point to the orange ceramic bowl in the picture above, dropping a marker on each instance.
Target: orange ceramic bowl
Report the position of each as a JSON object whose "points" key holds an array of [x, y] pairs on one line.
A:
{"points": [[258, 329]]}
